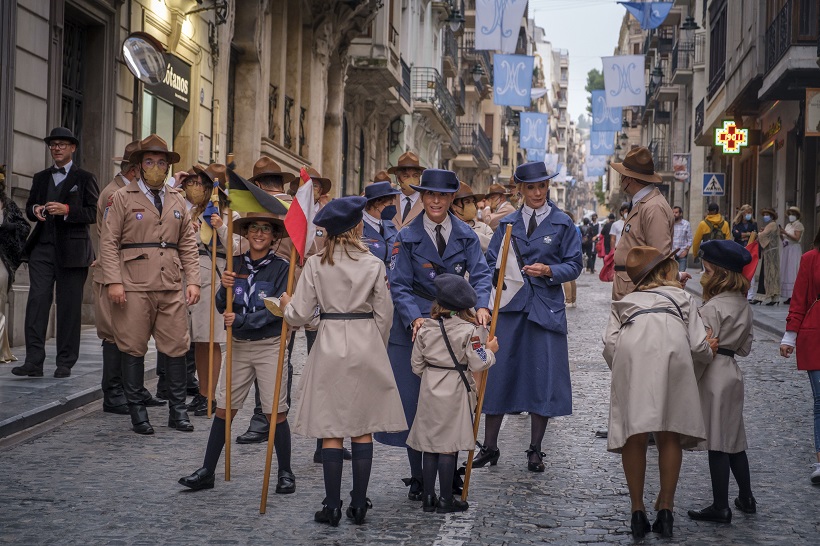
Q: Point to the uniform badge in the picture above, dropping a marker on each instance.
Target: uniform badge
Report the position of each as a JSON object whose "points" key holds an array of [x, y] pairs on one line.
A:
{"points": [[262, 294], [432, 274], [320, 233], [393, 261], [105, 214], [548, 240], [139, 216], [177, 214], [459, 268], [237, 291], [375, 245], [626, 229], [476, 341]]}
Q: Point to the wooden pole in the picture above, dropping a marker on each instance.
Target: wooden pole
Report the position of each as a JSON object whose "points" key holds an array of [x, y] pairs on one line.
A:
{"points": [[283, 342], [228, 356], [482, 384], [215, 201]]}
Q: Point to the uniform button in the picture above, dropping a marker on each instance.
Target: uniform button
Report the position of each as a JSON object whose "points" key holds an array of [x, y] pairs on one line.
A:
{"points": [[162, 269], [160, 223], [161, 253]]}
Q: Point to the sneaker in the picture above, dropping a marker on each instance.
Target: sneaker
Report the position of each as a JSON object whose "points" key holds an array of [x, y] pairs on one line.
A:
{"points": [[815, 476]]}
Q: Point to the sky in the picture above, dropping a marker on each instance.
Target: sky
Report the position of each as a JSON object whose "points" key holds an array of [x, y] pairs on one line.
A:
{"points": [[588, 29]]}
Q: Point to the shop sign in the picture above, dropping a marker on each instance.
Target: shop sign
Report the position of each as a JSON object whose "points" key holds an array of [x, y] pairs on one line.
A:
{"points": [[175, 86], [731, 137], [680, 167], [813, 112]]}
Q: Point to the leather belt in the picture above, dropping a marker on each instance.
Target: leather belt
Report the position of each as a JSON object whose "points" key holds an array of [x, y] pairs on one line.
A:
{"points": [[620, 268], [726, 352], [149, 245], [203, 252], [346, 316]]}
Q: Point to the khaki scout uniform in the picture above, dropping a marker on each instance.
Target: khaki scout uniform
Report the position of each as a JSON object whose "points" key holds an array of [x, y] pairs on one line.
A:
{"points": [[102, 307]]}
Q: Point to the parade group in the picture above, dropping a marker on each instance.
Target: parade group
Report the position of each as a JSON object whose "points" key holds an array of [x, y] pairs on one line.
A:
{"points": [[396, 297]]}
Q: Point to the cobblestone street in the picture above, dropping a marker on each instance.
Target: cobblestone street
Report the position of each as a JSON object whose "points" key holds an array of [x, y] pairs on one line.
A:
{"points": [[92, 481]]}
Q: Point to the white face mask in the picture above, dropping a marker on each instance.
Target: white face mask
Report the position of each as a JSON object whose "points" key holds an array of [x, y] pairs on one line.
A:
{"points": [[792, 218]]}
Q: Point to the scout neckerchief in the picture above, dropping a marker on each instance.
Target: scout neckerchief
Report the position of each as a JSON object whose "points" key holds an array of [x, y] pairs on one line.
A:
{"points": [[252, 271]]}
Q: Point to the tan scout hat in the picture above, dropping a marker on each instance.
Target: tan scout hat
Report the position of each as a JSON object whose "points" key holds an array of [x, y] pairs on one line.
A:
{"points": [[129, 149], [316, 177], [153, 143], [266, 166], [406, 160], [639, 165]]}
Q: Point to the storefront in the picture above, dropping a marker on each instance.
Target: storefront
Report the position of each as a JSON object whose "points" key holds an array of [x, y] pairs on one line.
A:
{"points": [[166, 105]]}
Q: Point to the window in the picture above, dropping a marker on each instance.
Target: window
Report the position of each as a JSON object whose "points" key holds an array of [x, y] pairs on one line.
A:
{"points": [[717, 46]]}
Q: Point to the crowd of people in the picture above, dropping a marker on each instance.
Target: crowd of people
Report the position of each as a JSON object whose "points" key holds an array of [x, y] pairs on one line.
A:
{"points": [[395, 297]]}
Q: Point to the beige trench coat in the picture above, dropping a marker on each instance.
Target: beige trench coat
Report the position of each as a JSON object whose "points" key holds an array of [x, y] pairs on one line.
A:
{"points": [[444, 419], [721, 385], [483, 231], [347, 388], [655, 360]]}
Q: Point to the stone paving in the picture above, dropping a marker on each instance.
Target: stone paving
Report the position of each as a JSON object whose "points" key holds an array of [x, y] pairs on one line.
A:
{"points": [[91, 481]]}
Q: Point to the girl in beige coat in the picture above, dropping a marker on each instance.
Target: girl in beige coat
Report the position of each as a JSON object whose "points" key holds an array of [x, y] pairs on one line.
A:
{"points": [[447, 347], [347, 388], [654, 343], [727, 313]]}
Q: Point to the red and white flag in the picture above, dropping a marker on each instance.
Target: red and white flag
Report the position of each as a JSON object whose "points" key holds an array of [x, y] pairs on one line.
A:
{"points": [[299, 219]]}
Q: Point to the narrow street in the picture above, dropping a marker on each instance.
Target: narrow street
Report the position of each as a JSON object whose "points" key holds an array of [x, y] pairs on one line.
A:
{"points": [[92, 481]]}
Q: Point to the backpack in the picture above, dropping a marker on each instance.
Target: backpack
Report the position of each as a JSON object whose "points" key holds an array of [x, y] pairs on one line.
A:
{"points": [[715, 231]]}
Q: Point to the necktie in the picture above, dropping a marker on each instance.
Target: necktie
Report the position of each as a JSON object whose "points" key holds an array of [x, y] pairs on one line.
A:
{"points": [[532, 225], [629, 209], [381, 229], [157, 201], [55, 170], [408, 204], [440, 244]]}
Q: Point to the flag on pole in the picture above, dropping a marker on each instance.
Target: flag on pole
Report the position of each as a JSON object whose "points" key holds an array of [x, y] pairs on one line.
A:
{"points": [[299, 219], [649, 14], [206, 230], [245, 196], [513, 278]]}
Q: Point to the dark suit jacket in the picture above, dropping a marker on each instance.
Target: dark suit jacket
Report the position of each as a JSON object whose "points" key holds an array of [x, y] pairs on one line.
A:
{"points": [[72, 241]]}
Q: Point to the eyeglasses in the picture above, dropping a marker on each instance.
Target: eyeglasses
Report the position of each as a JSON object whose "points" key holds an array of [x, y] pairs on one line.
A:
{"points": [[148, 163], [264, 228], [194, 183], [58, 145]]}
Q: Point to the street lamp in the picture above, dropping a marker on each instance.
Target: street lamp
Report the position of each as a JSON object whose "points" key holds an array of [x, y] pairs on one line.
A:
{"points": [[456, 20], [689, 27], [477, 72], [624, 139], [657, 75]]}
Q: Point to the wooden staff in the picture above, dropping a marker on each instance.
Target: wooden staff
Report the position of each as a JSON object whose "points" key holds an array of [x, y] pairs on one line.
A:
{"points": [[215, 201], [274, 414], [482, 383], [228, 356]]}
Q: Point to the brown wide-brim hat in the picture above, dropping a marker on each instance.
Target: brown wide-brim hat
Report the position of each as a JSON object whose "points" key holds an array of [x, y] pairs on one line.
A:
{"points": [[465, 190], [795, 210], [315, 177], [639, 164], [641, 260], [153, 143], [240, 225], [266, 166], [771, 212], [406, 160], [214, 171], [126, 154], [382, 176], [496, 189]]}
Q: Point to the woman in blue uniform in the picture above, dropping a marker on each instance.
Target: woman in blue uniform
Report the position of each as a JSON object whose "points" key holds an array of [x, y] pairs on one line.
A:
{"points": [[532, 365], [433, 243], [379, 232]]}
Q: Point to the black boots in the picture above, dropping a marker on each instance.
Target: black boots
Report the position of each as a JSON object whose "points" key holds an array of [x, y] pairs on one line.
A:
{"points": [[176, 375], [113, 395], [257, 432], [133, 371]]}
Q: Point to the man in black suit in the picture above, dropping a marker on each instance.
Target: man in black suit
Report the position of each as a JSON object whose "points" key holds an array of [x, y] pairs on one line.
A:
{"points": [[62, 203]]}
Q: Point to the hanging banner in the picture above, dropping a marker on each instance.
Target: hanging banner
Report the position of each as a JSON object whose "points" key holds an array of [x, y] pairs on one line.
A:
{"points": [[595, 165], [512, 79], [533, 129], [680, 167], [624, 80], [536, 155], [812, 112], [497, 24], [562, 173], [551, 162], [602, 142], [649, 14], [605, 118]]}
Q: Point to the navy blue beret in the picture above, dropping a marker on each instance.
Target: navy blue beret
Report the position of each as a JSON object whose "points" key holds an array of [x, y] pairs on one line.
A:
{"points": [[726, 254], [454, 292], [341, 214], [438, 180]]}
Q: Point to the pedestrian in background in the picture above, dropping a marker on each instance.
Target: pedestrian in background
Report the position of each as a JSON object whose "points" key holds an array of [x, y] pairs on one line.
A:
{"points": [[712, 228], [449, 348], [768, 268], [681, 237], [465, 208], [594, 231], [13, 232], [408, 172], [378, 230], [744, 225], [655, 344], [587, 244], [803, 333], [571, 287], [497, 205], [727, 314], [617, 229], [62, 204], [791, 253]]}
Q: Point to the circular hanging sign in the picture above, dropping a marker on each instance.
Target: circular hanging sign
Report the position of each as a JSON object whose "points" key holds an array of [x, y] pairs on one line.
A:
{"points": [[144, 57]]}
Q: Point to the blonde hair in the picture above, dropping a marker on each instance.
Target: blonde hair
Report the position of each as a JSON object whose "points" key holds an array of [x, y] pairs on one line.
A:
{"points": [[741, 212], [723, 280], [346, 240], [439, 311], [660, 276]]}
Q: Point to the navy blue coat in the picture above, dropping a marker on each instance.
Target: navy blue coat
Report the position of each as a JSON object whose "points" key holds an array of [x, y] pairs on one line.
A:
{"points": [[380, 246]]}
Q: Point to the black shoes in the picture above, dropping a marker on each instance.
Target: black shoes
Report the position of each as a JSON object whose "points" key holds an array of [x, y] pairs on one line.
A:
{"points": [[331, 516], [154, 402], [448, 506], [534, 466], [143, 428], [119, 410], [182, 425], [710, 513], [602, 433], [62, 372], [640, 524], [201, 479], [749, 506], [358, 514], [663, 523], [28, 370], [196, 402], [416, 488], [258, 430], [429, 503], [286, 482], [485, 455]]}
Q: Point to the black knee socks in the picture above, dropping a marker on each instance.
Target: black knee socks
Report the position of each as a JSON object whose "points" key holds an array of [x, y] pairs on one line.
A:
{"points": [[332, 460], [719, 472], [216, 441], [415, 463], [446, 467], [492, 426], [739, 464], [281, 442], [362, 463], [538, 426], [430, 468]]}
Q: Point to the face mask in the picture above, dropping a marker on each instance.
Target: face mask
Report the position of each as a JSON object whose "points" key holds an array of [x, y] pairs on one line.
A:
{"points": [[748, 217], [412, 180], [154, 177], [196, 195], [792, 218], [388, 212], [767, 218], [469, 211], [624, 215]]}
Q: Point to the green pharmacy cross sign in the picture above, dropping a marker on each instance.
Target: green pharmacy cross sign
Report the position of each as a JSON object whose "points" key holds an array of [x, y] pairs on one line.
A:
{"points": [[731, 137]]}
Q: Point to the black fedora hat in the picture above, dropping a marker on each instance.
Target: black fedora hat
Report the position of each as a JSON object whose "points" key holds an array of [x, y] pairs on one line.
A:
{"points": [[379, 189], [61, 133], [532, 173], [438, 180]]}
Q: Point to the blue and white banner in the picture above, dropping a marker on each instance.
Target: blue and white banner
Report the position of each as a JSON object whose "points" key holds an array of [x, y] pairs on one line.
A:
{"points": [[562, 173], [595, 165], [605, 118], [497, 24], [624, 80], [551, 162], [649, 14], [602, 143], [533, 129], [536, 155], [512, 79]]}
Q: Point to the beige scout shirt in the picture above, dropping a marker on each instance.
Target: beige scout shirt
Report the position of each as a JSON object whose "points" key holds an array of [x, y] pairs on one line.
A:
{"points": [[118, 182]]}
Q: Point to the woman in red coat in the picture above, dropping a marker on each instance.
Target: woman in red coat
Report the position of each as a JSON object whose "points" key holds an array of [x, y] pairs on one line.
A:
{"points": [[803, 333]]}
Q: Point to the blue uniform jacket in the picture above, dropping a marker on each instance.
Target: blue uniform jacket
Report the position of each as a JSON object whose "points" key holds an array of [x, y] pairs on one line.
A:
{"points": [[415, 263], [380, 246], [555, 243], [271, 281]]}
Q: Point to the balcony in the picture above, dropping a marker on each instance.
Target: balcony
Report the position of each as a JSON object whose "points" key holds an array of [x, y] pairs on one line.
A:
{"points": [[682, 63], [432, 100], [460, 96], [477, 56], [660, 155], [699, 61], [663, 117], [449, 58], [791, 51], [796, 24], [476, 150], [663, 90]]}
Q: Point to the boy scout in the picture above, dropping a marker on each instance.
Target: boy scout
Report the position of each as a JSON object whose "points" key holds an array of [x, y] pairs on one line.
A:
{"points": [[147, 243]]}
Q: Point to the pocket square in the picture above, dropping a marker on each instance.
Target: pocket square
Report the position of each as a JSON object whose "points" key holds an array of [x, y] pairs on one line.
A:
{"points": [[75, 188]]}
